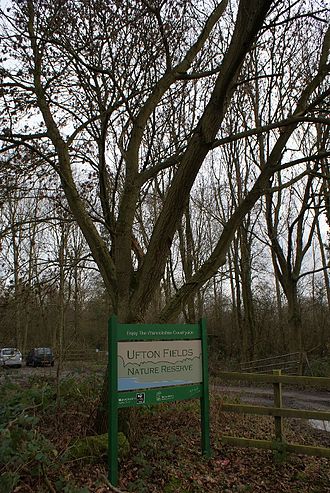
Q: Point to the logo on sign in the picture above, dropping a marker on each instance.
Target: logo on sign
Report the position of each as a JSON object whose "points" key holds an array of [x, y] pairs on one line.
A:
{"points": [[140, 398]]}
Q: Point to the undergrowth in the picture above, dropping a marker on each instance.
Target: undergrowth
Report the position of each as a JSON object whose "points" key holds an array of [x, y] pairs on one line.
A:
{"points": [[29, 449], [37, 427]]}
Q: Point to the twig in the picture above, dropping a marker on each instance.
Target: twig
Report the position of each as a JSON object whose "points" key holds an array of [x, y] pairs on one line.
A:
{"points": [[113, 488], [28, 488], [22, 413], [48, 483]]}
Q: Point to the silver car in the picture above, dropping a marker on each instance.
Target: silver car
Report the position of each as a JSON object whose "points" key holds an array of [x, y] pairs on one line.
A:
{"points": [[10, 356]]}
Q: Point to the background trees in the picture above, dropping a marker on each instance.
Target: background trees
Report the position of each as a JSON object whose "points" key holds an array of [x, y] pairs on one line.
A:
{"points": [[128, 106]]}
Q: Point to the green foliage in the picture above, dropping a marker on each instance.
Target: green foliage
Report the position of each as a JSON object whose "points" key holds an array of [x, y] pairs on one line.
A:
{"points": [[173, 486], [247, 488], [138, 485], [81, 390], [69, 488], [320, 367], [16, 398], [280, 452], [154, 460], [22, 447], [64, 486], [8, 481], [93, 447], [24, 450]]}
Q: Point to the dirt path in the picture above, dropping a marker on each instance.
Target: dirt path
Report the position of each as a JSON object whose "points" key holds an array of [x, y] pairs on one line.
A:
{"points": [[301, 399], [295, 399]]}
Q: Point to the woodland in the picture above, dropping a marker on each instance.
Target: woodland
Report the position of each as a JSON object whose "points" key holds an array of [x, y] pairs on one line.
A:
{"points": [[164, 161]]}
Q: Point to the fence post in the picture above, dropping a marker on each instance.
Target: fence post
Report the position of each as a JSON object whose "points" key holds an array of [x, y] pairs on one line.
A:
{"points": [[278, 403]]}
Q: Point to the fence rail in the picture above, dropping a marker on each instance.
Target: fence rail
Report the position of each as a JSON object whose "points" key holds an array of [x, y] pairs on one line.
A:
{"points": [[85, 355], [278, 412], [290, 363]]}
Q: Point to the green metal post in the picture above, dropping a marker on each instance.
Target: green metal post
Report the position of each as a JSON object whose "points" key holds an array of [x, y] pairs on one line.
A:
{"points": [[205, 404], [113, 402]]}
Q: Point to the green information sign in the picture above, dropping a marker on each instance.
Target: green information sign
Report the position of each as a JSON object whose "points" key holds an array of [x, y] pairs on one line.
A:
{"points": [[153, 364]]}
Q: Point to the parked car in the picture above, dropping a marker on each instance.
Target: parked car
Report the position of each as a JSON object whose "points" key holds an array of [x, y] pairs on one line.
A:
{"points": [[10, 356], [40, 356]]}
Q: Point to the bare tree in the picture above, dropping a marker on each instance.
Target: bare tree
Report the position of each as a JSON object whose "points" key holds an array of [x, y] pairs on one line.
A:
{"points": [[84, 81], [96, 103]]}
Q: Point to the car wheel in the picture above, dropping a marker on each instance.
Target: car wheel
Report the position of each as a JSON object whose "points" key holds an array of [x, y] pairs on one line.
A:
{"points": [[52, 363]]}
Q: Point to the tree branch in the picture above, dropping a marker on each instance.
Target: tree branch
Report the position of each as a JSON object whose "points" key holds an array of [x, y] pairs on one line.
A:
{"points": [[321, 269], [266, 128]]}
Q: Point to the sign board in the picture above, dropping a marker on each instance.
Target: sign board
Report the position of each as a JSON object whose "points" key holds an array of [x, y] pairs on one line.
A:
{"points": [[153, 364], [158, 364]]}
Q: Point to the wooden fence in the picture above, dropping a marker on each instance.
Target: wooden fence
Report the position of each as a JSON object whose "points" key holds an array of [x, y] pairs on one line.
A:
{"points": [[277, 411], [291, 363], [88, 355]]}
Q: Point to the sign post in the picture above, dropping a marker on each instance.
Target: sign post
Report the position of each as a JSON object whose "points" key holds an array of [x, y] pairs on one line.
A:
{"points": [[205, 401], [113, 402], [153, 364]]}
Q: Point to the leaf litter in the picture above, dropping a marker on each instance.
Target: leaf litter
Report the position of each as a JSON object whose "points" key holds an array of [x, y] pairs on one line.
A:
{"points": [[165, 455]]}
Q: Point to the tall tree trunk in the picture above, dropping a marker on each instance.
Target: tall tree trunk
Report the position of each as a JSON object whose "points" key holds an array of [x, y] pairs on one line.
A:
{"points": [[294, 318], [61, 308], [281, 344], [247, 298]]}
